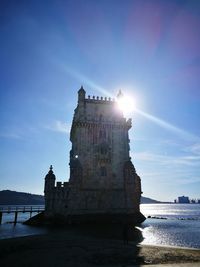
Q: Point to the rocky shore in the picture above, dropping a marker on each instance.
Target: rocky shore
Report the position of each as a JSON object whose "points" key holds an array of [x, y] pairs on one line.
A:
{"points": [[80, 247]]}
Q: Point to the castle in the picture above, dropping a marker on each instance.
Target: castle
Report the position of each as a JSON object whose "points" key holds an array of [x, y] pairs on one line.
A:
{"points": [[103, 184]]}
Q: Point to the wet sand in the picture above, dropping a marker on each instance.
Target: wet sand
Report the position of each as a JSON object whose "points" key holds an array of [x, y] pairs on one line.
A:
{"points": [[76, 248]]}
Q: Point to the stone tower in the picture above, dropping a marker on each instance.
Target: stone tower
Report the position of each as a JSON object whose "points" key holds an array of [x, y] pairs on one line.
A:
{"points": [[103, 184]]}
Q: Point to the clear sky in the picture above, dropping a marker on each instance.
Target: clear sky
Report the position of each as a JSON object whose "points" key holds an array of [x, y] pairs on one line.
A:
{"points": [[149, 49]]}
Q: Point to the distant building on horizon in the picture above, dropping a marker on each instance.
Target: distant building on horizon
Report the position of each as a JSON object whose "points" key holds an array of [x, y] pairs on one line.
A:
{"points": [[183, 199], [103, 184], [186, 200]]}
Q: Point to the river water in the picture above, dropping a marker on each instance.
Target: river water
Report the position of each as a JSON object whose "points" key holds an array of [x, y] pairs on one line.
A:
{"points": [[172, 224], [169, 224]]}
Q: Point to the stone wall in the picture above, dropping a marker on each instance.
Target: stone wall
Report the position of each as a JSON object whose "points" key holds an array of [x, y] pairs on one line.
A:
{"points": [[102, 179]]}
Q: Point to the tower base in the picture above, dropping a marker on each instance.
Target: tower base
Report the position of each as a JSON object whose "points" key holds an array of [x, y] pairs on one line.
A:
{"points": [[78, 219]]}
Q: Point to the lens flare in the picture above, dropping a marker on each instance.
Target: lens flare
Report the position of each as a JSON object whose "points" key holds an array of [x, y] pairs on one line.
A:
{"points": [[168, 126], [126, 104]]}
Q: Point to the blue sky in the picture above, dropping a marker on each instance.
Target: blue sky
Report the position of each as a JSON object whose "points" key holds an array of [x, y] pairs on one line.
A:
{"points": [[149, 49]]}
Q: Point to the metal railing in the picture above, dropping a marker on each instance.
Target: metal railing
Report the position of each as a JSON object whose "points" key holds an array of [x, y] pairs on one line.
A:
{"points": [[20, 209]]}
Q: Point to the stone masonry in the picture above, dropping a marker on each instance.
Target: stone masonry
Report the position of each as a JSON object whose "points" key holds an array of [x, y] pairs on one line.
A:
{"points": [[103, 183]]}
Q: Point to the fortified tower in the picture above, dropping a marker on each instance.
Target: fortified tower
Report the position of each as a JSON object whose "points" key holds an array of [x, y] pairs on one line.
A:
{"points": [[103, 184]]}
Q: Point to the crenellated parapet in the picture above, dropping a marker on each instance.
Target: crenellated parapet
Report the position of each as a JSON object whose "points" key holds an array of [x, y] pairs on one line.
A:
{"points": [[98, 111], [104, 100], [82, 98], [51, 185]]}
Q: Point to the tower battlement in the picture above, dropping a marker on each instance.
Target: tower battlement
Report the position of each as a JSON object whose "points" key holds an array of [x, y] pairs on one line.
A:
{"points": [[82, 97], [100, 99]]}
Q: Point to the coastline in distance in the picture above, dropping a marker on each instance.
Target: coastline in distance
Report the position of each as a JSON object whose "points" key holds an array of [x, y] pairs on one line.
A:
{"points": [[8, 197]]}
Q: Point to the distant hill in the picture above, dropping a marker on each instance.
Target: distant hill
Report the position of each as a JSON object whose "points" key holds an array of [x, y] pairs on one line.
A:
{"points": [[146, 200], [8, 197]]}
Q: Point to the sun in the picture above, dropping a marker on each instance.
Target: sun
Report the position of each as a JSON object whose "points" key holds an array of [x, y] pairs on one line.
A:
{"points": [[125, 103]]}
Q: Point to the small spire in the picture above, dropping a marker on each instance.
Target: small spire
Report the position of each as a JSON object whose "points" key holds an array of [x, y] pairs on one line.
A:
{"points": [[81, 94], [120, 94], [81, 89], [51, 169]]}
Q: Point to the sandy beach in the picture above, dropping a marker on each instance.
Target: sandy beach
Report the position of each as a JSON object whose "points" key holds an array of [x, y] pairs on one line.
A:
{"points": [[72, 247]]}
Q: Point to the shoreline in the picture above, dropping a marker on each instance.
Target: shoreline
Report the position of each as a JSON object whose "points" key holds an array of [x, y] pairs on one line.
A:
{"points": [[168, 246], [12, 239], [139, 244], [70, 247]]}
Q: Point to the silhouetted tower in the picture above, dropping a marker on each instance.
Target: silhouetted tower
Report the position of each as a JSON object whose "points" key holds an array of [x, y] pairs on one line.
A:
{"points": [[100, 164], [103, 184], [49, 186]]}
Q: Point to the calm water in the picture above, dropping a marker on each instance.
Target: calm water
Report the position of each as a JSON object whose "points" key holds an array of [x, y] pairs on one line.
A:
{"points": [[9, 230], [181, 226]]}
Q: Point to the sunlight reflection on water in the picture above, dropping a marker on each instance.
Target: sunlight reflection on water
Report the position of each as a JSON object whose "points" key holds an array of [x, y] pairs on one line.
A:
{"points": [[180, 228]]}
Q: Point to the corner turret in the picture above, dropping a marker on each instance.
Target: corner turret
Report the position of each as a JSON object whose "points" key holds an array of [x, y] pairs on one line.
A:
{"points": [[81, 94], [120, 94], [49, 180]]}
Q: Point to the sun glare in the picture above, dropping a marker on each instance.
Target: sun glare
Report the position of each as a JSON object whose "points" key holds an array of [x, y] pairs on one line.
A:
{"points": [[126, 104]]}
